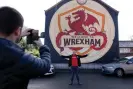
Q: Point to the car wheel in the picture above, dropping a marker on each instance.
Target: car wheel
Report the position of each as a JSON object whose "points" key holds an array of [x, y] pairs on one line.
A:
{"points": [[119, 72]]}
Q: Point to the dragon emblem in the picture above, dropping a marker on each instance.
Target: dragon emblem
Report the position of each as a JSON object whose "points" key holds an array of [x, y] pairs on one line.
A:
{"points": [[77, 25], [78, 21]]}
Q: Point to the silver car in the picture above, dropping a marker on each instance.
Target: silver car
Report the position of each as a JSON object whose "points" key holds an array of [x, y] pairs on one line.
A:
{"points": [[120, 68]]}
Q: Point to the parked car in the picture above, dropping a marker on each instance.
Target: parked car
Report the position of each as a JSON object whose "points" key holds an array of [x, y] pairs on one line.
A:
{"points": [[120, 68], [51, 71]]}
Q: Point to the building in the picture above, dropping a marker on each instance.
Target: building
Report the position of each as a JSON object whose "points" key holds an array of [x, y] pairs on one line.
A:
{"points": [[90, 28], [126, 48]]}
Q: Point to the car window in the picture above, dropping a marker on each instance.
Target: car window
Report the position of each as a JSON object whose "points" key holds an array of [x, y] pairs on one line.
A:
{"points": [[123, 60], [131, 60]]}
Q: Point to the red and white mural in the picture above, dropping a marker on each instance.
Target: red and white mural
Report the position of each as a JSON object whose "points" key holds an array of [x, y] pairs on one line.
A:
{"points": [[86, 29]]}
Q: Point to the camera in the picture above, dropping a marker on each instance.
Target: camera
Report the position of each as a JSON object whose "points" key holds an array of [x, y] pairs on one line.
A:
{"points": [[33, 36]]}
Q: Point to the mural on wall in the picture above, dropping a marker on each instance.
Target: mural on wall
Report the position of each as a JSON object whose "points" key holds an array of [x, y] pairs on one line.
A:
{"points": [[86, 28]]}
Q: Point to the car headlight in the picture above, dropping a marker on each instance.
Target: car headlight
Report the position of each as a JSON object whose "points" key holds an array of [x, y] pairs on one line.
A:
{"points": [[110, 67]]}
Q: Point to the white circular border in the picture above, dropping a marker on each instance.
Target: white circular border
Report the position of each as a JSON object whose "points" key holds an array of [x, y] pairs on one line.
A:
{"points": [[109, 28]]}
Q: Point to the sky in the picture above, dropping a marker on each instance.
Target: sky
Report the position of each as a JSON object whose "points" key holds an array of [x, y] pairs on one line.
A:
{"points": [[34, 16]]}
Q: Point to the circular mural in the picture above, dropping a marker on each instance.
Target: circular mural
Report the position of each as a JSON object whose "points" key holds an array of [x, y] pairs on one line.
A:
{"points": [[86, 29]]}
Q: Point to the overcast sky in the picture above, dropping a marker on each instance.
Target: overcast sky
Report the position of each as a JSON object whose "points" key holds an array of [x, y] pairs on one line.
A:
{"points": [[33, 12]]}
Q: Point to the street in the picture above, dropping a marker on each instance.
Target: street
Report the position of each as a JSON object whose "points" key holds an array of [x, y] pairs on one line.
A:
{"points": [[90, 81]]}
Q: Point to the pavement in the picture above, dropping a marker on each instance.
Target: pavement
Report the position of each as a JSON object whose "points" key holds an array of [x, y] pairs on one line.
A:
{"points": [[90, 80]]}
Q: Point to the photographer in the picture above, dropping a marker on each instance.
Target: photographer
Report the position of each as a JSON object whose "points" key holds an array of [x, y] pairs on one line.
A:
{"points": [[16, 66]]}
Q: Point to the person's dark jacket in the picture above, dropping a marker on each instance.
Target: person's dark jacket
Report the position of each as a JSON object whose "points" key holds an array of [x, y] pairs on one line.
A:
{"points": [[70, 59], [17, 67]]}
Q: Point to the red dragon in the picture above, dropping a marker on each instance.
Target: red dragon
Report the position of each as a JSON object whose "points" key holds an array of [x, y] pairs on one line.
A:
{"points": [[77, 27]]}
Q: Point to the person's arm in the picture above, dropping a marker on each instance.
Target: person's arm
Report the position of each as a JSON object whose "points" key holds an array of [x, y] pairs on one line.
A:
{"points": [[82, 56], [69, 61], [34, 66], [65, 56]]}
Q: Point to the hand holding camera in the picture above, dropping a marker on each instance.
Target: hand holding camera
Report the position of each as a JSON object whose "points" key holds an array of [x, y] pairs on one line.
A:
{"points": [[32, 36], [25, 32], [38, 43]]}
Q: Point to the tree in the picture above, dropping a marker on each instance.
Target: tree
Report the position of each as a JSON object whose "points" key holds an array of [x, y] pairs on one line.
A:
{"points": [[30, 48]]}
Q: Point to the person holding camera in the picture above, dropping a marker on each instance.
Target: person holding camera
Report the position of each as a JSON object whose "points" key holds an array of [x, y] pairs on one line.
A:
{"points": [[74, 63], [16, 66]]}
